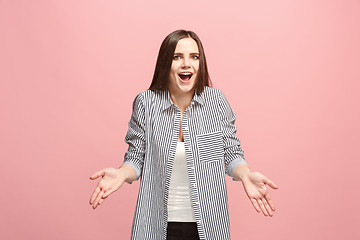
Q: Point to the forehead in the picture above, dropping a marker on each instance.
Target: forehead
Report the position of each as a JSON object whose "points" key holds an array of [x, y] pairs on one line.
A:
{"points": [[185, 45]]}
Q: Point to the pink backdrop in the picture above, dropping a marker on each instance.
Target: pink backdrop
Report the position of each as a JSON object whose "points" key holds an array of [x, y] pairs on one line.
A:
{"points": [[70, 70]]}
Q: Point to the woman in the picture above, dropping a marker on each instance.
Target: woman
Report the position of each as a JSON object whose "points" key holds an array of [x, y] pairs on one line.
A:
{"points": [[182, 142]]}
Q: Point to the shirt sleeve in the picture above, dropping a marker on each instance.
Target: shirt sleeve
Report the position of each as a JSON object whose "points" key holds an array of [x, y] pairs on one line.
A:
{"points": [[233, 154], [135, 137]]}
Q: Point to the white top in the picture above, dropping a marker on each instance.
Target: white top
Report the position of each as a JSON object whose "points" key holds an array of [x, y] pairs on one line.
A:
{"points": [[180, 207]]}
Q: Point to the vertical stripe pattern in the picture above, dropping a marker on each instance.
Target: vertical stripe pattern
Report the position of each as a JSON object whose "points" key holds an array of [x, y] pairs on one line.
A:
{"points": [[212, 150]]}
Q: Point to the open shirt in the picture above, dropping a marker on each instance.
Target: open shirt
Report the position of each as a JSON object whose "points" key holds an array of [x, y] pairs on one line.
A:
{"points": [[212, 149]]}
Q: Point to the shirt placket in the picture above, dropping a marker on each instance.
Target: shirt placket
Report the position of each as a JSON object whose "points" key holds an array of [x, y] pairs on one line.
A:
{"points": [[191, 164], [174, 140]]}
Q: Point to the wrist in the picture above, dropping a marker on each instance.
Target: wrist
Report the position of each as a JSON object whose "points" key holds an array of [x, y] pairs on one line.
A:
{"points": [[241, 172], [128, 172]]}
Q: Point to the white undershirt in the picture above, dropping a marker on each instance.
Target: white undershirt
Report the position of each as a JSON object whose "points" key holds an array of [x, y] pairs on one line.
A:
{"points": [[180, 207]]}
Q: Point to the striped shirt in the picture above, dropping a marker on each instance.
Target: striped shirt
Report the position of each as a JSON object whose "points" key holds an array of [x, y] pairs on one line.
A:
{"points": [[212, 149]]}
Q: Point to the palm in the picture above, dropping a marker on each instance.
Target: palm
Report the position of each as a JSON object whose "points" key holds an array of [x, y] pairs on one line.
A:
{"points": [[255, 187], [112, 179]]}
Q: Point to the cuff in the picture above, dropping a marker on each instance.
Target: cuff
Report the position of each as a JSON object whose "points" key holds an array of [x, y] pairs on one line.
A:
{"points": [[233, 164], [135, 168]]}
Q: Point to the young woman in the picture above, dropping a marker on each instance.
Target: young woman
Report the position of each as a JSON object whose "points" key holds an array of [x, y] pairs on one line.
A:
{"points": [[182, 141]]}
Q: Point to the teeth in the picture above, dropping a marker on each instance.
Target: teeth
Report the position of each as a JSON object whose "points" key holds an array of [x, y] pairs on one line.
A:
{"points": [[185, 74]]}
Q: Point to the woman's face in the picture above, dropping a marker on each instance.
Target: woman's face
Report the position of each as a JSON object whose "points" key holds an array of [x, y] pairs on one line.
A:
{"points": [[185, 66]]}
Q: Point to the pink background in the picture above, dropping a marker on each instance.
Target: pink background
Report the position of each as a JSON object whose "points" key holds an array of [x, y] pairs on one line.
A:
{"points": [[70, 70]]}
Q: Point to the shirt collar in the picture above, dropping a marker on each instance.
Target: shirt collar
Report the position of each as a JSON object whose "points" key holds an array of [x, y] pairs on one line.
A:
{"points": [[198, 98]]}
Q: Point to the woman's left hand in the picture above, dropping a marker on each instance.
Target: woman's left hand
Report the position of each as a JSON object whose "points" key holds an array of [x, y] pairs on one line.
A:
{"points": [[255, 187]]}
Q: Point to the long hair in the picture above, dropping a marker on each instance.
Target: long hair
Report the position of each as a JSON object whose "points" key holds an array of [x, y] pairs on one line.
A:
{"points": [[165, 58]]}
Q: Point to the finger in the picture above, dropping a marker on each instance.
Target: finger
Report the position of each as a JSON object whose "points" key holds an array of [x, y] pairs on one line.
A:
{"points": [[271, 183], [100, 201], [268, 209], [97, 174], [269, 200], [107, 193], [93, 196], [256, 205], [262, 207], [96, 202]]}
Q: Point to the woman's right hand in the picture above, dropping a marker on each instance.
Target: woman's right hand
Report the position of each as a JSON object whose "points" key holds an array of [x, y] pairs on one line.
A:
{"points": [[112, 179]]}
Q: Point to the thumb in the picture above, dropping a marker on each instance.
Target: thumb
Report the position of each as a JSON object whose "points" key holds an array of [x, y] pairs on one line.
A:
{"points": [[97, 174], [271, 183]]}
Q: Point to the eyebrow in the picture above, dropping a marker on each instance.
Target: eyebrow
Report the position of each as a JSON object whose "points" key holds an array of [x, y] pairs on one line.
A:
{"points": [[190, 53]]}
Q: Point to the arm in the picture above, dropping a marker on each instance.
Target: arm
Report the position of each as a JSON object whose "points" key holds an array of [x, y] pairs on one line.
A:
{"points": [[113, 178], [254, 183], [233, 154], [135, 137]]}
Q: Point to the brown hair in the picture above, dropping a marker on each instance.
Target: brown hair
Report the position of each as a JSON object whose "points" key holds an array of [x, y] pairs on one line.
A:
{"points": [[165, 58]]}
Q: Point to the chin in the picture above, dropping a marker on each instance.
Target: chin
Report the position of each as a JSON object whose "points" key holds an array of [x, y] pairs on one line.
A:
{"points": [[186, 88], [180, 87]]}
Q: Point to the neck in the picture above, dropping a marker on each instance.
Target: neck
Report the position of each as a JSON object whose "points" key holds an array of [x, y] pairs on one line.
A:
{"points": [[182, 100]]}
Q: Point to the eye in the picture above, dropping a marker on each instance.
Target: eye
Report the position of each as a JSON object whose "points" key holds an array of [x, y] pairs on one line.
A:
{"points": [[196, 57], [176, 57]]}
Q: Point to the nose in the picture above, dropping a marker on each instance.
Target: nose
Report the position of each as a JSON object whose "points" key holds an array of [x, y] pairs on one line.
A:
{"points": [[186, 62]]}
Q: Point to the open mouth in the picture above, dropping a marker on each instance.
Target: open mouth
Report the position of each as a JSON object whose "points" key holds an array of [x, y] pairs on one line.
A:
{"points": [[185, 77]]}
